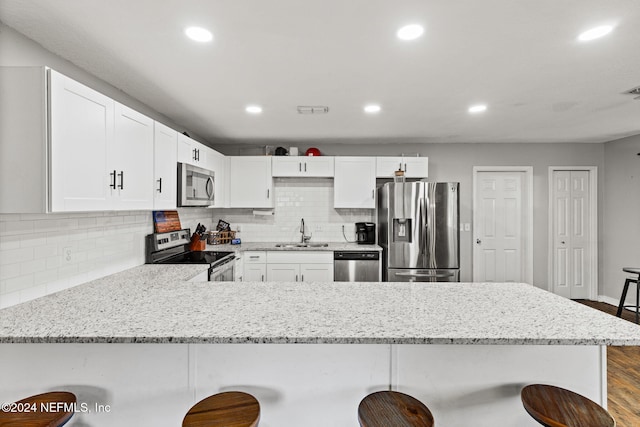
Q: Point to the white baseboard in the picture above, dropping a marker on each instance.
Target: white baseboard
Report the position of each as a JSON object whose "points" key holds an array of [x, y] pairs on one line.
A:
{"points": [[608, 300]]}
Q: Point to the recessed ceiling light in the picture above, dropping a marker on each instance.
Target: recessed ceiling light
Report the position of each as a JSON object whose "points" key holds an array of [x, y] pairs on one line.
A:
{"points": [[253, 109], [595, 33], [477, 108], [372, 108], [410, 32], [199, 34]]}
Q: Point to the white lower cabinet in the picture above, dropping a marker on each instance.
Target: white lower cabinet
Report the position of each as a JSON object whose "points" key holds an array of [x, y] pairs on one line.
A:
{"points": [[288, 266], [299, 266]]}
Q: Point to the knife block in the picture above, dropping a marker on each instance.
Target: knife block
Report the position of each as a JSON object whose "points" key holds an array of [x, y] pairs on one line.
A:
{"points": [[197, 244]]}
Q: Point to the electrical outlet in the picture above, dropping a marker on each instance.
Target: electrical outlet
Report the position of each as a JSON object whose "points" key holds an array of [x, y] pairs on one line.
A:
{"points": [[238, 228], [318, 228], [467, 226], [66, 255]]}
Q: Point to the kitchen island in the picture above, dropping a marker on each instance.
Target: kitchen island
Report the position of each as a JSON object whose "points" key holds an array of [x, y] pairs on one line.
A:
{"points": [[149, 344]]}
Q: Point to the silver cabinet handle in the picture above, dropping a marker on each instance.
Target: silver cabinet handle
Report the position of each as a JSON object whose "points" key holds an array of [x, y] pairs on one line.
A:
{"points": [[299, 167], [302, 280], [263, 278], [562, 242], [373, 194], [267, 193], [159, 185], [254, 256], [405, 167], [305, 167], [121, 175], [296, 277]]}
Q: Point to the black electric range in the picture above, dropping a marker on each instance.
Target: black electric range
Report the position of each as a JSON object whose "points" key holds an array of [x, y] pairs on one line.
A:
{"points": [[173, 248]]}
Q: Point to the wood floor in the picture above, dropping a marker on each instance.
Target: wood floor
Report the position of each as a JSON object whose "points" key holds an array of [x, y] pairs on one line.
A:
{"points": [[623, 375]]}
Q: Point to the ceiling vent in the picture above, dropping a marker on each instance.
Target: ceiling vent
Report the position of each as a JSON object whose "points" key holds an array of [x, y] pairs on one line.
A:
{"points": [[634, 91], [312, 109]]}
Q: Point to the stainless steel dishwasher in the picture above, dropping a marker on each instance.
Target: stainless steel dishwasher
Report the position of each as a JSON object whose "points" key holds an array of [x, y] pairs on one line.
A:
{"points": [[357, 266]]}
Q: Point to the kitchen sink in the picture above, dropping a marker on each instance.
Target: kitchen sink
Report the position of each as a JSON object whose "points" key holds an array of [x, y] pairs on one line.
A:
{"points": [[302, 245]]}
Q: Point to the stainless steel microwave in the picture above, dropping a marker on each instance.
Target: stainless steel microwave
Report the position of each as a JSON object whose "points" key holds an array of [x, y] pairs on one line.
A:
{"points": [[196, 186]]}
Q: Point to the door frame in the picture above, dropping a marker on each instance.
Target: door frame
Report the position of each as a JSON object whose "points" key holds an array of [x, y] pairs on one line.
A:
{"points": [[593, 229], [527, 223]]}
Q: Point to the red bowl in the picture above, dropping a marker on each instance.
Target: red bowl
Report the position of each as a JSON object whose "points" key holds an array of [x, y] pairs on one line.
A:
{"points": [[312, 152]]}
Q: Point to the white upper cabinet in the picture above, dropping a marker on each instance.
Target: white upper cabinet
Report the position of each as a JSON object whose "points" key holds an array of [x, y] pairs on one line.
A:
{"points": [[81, 133], [250, 182], [304, 166], [354, 185], [191, 151], [413, 167], [165, 158], [218, 164], [131, 157]]}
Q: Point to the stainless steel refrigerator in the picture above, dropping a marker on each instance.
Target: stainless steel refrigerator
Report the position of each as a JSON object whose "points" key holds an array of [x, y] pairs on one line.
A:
{"points": [[419, 231]]}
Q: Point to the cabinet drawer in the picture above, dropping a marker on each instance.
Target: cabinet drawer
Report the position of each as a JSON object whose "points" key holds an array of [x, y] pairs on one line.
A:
{"points": [[309, 257], [255, 257]]}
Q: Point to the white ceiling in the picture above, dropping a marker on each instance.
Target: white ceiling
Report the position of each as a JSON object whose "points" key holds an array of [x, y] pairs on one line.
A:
{"points": [[519, 57]]}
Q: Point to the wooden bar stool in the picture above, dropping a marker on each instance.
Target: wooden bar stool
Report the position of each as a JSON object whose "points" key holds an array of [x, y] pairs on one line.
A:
{"points": [[392, 408], [51, 409], [228, 409], [556, 407], [626, 288]]}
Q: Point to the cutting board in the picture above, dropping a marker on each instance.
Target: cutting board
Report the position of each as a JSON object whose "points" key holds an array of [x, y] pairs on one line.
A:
{"points": [[166, 221]]}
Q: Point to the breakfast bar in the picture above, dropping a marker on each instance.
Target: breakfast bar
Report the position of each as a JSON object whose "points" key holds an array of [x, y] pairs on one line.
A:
{"points": [[148, 344]]}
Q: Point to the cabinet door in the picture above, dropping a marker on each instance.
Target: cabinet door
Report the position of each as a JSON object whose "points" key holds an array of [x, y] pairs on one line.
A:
{"points": [[316, 272], [416, 167], [165, 157], [191, 151], [317, 166], [284, 166], [386, 166], [283, 272], [81, 126], [255, 272], [251, 183], [354, 185], [218, 166], [131, 156]]}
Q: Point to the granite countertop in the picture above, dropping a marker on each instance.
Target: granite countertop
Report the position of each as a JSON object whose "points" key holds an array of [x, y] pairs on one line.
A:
{"points": [[155, 304], [271, 246]]}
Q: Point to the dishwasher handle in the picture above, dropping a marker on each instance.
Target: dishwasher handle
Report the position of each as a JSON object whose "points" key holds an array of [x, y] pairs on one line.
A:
{"points": [[356, 256]]}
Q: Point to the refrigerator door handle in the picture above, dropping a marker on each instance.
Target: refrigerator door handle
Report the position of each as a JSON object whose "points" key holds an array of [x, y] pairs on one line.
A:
{"points": [[428, 274], [423, 229]]}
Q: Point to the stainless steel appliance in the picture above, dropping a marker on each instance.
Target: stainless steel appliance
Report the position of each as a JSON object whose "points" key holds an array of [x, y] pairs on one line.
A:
{"points": [[366, 233], [360, 266], [173, 248], [196, 186], [418, 229]]}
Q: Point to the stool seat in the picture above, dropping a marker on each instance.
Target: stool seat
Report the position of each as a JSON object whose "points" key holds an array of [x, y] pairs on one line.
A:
{"points": [[228, 409], [625, 289], [51, 409], [557, 407], [392, 408]]}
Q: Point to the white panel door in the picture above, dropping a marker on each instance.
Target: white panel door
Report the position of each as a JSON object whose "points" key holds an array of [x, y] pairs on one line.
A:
{"points": [[571, 234], [316, 272], [81, 133], [498, 254], [131, 156], [250, 182], [254, 272], [283, 272], [354, 184], [165, 157]]}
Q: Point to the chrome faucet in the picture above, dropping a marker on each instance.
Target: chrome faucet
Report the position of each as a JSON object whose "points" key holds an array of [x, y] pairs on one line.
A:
{"points": [[303, 238]]}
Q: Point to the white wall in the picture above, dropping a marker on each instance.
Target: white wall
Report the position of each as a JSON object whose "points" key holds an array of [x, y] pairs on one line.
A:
{"points": [[621, 205]]}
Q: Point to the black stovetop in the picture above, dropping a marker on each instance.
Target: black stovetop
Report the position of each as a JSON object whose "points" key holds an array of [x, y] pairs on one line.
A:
{"points": [[195, 257]]}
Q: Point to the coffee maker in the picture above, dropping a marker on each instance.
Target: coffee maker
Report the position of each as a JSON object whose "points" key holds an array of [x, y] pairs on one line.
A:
{"points": [[366, 233]]}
